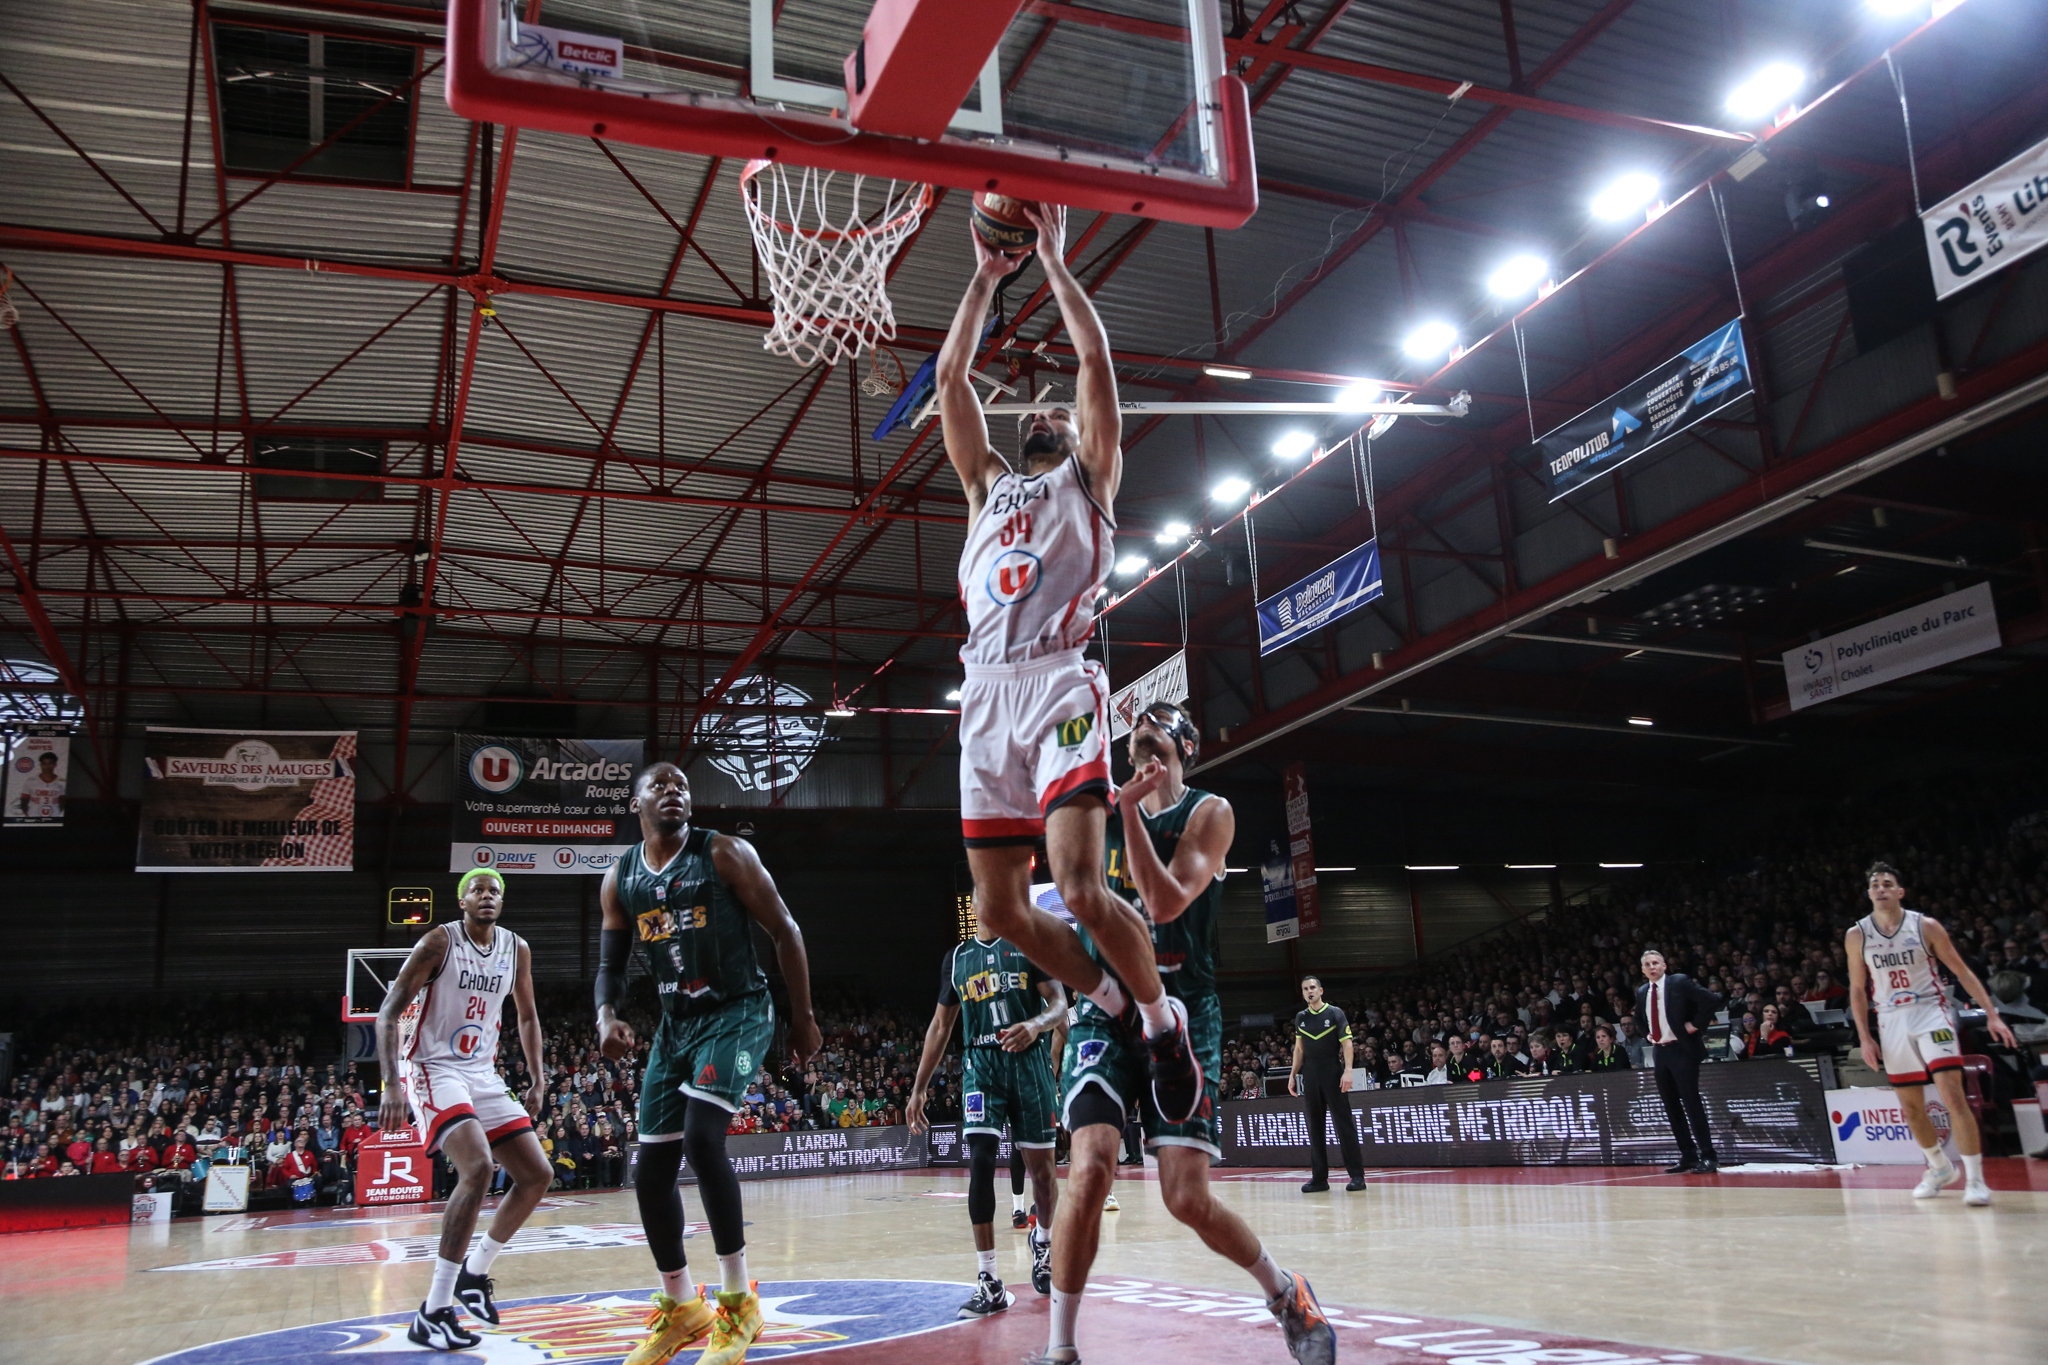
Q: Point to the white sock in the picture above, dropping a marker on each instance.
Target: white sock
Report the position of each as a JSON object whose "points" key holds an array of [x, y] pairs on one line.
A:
{"points": [[1066, 1311], [1109, 996], [442, 1294], [732, 1272], [482, 1254], [1936, 1158], [1016, 1203], [678, 1285], [1041, 1236], [1973, 1167], [985, 1264], [1158, 1018], [1270, 1276]]}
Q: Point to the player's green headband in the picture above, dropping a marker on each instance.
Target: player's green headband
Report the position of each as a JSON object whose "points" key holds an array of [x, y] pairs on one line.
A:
{"points": [[462, 887]]}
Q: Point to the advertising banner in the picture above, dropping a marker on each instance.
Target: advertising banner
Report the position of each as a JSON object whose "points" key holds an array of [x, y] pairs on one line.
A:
{"points": [[1986, 226], [1168, 682], [393, 1168], [1696, 383], [1332, 592], [1276, 879], [36, 772], [557, 806], [248, 801], [226, 1189], [1870, 1128], [1767, 1110], [1308, 906], [1906, 642], [828, 1151]]}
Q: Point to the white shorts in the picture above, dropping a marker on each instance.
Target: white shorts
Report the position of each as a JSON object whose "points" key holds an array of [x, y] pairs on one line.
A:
{"points": [[1917, 1041], [1033, 736], [443, 1094]]}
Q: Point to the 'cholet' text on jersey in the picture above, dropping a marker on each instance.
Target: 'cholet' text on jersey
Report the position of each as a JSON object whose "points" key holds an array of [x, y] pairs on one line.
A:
{"points": [[1901, 966], [456, 1016], [695, 935], [1034, 566]]}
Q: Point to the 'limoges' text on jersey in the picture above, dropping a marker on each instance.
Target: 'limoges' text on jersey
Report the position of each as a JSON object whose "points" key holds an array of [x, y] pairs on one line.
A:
{"points": [[694, 933], [994, 985]]}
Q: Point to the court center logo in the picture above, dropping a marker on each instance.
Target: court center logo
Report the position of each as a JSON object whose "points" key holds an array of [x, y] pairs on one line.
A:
{"points": [[799, 1317], [495, 768], [767, 741]]}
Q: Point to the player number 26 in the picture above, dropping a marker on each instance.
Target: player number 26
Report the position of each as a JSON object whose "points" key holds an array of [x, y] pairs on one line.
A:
{"points": [[1901, 979]]}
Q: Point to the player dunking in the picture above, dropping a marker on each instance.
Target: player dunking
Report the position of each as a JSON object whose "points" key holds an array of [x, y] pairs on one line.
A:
{"points": [[1892, 952], [1034, 742], [1165, 849], [443, 1050], [687, 895], [1006, 1077]]}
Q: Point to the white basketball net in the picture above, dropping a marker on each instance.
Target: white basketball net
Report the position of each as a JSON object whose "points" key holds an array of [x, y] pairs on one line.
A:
{"points": [[827, 265]]}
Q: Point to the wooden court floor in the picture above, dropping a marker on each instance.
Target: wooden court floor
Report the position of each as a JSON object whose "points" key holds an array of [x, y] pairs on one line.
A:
{"points": [[1484, 1267]]}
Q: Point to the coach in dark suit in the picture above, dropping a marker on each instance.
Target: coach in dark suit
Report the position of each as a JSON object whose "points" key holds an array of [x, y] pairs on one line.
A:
{"points": [[1676, 1011]]}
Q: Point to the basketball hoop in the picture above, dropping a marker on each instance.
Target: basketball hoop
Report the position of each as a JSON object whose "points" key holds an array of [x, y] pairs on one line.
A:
{"points": [[827, 265]]}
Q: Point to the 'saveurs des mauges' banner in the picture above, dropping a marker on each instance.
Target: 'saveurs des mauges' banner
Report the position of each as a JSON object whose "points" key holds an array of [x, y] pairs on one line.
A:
{"points": [[248, 801]]}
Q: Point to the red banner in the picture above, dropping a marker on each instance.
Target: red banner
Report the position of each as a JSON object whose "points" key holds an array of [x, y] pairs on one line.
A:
{"points": [[393, 1168], [1301, 846]]}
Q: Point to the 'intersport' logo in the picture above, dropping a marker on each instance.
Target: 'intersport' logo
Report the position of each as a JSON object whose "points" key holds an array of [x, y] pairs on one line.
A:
{"points": [[495, 768]]}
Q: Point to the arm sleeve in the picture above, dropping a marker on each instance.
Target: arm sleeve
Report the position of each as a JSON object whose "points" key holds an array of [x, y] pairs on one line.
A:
{"points": [[614, 949], [947, 995]]}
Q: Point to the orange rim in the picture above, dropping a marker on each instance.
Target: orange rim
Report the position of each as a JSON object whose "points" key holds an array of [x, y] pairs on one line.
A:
{"points": [[909, 214]]}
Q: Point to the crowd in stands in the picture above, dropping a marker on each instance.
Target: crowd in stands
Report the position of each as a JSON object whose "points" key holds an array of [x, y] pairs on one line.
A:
{"points": [[174, 1090], [1557, 996]]}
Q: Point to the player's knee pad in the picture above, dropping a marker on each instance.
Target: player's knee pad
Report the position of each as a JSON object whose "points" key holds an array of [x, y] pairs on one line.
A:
{"points": [[981, 1177]]}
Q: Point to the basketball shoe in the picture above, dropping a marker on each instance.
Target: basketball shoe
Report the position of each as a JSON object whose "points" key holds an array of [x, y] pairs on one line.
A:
{"points": [[1937, 1179], [1310, 1338], [733, 1328], [474, 1292], [1176, 1072], [441, 1330], [1041, 1258], [989, 1298], [673, 1324]]}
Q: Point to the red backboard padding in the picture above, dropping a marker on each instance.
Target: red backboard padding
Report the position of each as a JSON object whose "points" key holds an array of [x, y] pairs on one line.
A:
{"points": [[917, 60]]}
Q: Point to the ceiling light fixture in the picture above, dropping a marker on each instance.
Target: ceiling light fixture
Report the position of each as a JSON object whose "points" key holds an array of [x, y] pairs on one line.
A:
{"points": [[1173, 531], [1643, 721], [1336, 869], [1292, 445], [1765, 93], [1359, 394], [1625, 195], [1532, 867], [1230, 490], [1431, 867], [1516, 276], [954, 695], [839, 710], [1226, 372], [1430, 340], [1131, 565], [1619, 865]]}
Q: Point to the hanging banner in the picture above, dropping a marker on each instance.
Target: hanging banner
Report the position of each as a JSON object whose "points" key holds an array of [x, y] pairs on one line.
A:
{"points": [[543, 805], [36, 772], [247, 801], [1168, 682], [1988, 225], [1332, 592], [1695, 383], [1276, 876], [1906, 642], [1308, 905]]}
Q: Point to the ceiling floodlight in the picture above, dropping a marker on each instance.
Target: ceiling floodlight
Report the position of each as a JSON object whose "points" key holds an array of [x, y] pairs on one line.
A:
{"points": [[1293, 445], [1231, 490], [1173, 531], [1532, 867], [1132, 564], [1625, 195], [839, 711], [1361, 394], [1766, 92], [1430, 340], [1226, 372], [1643, 721], [954, 695], [1516, 276], [1431, 867], [1613, 865]]}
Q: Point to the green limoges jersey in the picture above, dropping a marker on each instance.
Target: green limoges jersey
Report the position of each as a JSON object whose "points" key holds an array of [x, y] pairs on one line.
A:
{"points": [[695, 935], [994, 985], [1186, 944]]}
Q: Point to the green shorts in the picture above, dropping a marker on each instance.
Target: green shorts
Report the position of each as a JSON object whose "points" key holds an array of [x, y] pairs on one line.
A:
{"points": [[704, 1057], [1014, 1088], [1101, 1052]]}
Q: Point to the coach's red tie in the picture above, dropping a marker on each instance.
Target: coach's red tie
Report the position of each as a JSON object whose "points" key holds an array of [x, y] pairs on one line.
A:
{"points": [[1657, 1012]]}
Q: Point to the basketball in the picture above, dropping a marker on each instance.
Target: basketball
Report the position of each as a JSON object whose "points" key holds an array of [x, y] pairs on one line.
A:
{"points": [[1000, 221]]}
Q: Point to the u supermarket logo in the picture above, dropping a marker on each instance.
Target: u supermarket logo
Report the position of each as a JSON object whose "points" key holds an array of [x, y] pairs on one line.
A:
{"points": [[1013, 577], [495, 768]]}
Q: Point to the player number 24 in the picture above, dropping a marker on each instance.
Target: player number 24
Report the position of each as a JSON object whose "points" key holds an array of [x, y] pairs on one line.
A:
{"points": [[476, 1008]]}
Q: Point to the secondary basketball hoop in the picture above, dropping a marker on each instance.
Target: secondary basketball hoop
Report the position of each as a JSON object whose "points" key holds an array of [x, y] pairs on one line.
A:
{"points": [[825, 241]]}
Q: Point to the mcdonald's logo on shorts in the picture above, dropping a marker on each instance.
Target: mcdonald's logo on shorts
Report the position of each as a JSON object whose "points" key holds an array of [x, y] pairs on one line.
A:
{"points": [[1072, 733]]}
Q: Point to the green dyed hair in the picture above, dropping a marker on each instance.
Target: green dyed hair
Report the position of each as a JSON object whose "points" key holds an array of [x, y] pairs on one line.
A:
{"points": [[462, 887]]}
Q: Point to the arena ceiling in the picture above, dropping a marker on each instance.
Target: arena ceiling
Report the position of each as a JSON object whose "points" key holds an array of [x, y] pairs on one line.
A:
{"points": [[477, 433]]}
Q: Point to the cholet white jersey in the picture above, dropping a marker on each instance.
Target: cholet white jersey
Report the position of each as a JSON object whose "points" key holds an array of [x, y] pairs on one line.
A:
{"points": [[1901, 966], [1034, 566], [455, 1017]]}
